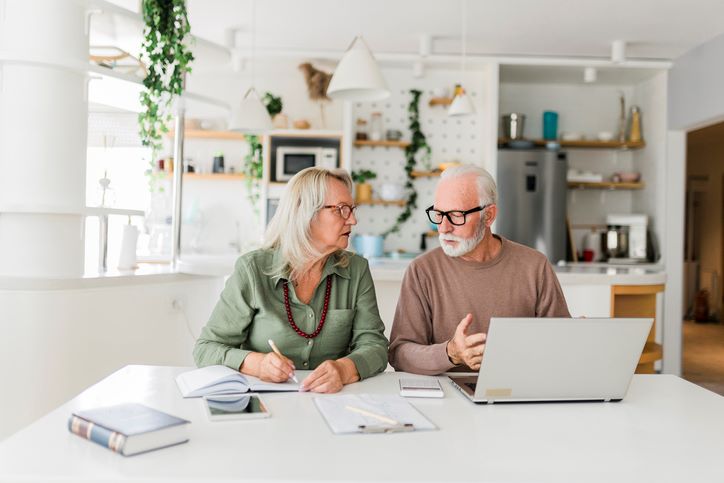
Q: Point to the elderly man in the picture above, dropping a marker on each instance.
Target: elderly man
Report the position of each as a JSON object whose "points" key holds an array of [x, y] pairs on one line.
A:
{"points": [[450, 293]]}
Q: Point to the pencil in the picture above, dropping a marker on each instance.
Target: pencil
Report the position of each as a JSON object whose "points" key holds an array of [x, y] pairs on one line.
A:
{"points": [[379, 417], [279, 353]]}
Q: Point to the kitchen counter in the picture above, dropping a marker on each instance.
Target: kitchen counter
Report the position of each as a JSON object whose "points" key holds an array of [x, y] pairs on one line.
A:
{"points": [[145, 273], [392, 270]]}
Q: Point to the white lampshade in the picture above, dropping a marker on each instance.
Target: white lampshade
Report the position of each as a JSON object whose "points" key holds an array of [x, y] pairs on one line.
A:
{"points": [[358, 77], [251, 116], [461, 105]]}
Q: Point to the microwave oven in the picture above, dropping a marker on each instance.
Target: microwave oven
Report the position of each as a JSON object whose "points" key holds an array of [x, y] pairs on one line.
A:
{"points": [[292, 159]]}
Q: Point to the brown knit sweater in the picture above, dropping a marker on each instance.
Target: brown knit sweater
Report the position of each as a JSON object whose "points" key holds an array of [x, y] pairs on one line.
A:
{"points": [[438, 291]]}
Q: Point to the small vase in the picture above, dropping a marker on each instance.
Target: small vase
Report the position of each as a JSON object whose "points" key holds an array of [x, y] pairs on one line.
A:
{"points": [[280, 121], [364, 193]]}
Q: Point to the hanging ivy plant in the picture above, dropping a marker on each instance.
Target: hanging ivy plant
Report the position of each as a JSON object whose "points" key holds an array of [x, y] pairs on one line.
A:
{"points": [[168, 58], [418, 145], [253, 170]]}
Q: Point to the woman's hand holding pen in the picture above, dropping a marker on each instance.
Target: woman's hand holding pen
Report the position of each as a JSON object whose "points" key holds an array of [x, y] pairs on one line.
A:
{"points": [[270, 367]]}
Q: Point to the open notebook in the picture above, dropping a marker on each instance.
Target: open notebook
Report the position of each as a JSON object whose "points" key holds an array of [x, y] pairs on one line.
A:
{"points": [[224, 380]]}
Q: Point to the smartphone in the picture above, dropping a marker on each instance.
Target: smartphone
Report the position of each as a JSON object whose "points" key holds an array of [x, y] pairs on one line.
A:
{"points": [[226, 407]]}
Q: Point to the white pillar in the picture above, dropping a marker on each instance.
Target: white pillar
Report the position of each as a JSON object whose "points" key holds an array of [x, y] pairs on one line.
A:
{"points": [[43, 129]]}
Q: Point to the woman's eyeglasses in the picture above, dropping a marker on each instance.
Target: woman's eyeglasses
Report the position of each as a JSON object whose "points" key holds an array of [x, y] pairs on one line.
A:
{"points": [[343, 209], [455, 217]]}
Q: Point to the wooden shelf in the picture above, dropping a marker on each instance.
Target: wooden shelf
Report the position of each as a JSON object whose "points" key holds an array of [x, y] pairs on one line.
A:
{"points": [[211, 176], [426, 174], [432, 233], [204, 134], [584, 144], [384, 144], [441, 101], [383, 203], [605, 185]]}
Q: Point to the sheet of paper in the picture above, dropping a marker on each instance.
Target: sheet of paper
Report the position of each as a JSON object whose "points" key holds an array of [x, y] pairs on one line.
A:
{"points": [[341, 420]]}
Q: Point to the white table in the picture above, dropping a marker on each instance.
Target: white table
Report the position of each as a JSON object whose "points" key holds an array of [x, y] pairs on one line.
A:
{"points": [[666, 429]]}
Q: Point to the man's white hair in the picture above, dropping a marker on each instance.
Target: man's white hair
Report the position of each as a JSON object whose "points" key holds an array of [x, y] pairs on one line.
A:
{"points": [[487, 190]]}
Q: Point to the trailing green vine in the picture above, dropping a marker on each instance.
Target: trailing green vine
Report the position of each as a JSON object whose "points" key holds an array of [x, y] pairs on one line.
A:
{"points": [[168, 58], [253, 169], [418, 143]]}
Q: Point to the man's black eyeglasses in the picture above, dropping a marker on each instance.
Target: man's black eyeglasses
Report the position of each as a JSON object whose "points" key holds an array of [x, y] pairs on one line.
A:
{"points": [[455, 217]]}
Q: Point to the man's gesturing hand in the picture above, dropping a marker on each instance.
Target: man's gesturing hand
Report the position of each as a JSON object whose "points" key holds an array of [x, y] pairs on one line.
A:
{"points": [[466, 349]]}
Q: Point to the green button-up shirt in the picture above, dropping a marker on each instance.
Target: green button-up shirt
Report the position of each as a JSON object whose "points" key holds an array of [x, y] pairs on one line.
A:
{"points": [[251, 311]]}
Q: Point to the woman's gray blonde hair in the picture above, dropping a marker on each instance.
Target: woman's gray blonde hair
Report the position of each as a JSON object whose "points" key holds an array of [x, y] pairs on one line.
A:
{"points": [[289, 230]]}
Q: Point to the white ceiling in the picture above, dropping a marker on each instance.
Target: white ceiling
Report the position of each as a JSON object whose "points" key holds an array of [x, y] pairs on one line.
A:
{"points": [[654, 29], [659, 29]]}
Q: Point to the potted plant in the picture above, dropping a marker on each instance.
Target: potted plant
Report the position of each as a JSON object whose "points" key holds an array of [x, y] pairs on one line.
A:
{"points": [[274, 107], [363, 190]]}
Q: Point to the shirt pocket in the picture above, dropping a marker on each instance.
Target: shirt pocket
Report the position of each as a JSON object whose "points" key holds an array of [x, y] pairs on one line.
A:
{"points": [[338, 328]]}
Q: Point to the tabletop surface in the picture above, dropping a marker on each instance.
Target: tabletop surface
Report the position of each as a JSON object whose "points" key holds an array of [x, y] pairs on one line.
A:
{"points": [[666, 429]]}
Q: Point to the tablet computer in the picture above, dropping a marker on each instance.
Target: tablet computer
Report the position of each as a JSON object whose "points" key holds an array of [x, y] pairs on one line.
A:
{"points": [[225, 407]]}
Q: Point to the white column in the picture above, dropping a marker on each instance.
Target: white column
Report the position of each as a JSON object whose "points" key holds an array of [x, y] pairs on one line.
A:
{"points": [[43, 129]]}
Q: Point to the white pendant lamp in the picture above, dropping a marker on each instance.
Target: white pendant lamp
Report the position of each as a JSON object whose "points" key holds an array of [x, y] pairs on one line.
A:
{"points": [[462, 105], [251, 116], [357, 76]]}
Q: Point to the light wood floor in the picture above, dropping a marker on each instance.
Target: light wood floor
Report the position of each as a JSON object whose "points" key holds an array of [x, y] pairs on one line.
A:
{"points": [[703, 358]]}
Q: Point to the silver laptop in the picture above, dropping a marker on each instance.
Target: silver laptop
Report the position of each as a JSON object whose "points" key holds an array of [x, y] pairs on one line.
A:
{"points": [[556, 359]]}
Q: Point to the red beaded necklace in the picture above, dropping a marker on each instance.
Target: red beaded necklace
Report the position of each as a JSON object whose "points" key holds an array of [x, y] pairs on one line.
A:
{"points": [[324, 311]]}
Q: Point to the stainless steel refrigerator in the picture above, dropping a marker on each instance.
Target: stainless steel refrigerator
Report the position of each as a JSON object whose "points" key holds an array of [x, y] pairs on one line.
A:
{"points": [[532, 199]]}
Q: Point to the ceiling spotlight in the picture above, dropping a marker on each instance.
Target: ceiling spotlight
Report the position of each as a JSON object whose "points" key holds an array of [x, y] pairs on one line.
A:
{"points": [[590, 74], [618, 51], [425, 47], [418, 69]]}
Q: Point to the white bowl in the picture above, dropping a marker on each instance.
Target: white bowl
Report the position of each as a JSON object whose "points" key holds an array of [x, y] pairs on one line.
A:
{"points": [[605, 136], [571, 136]]}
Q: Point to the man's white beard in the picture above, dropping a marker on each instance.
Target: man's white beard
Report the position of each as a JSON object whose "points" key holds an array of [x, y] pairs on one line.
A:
{"points": [[464, 245]]}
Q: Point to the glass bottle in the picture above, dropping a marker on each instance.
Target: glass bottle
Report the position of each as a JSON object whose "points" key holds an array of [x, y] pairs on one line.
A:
{"points": [[361, 130], [376, 126]]}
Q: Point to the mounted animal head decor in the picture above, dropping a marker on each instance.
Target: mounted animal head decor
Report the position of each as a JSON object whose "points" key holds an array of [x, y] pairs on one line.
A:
{"points": [[317, 81]]}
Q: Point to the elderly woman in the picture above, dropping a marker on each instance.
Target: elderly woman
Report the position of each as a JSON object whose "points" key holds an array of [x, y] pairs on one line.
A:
{"points": [[303, 291]]}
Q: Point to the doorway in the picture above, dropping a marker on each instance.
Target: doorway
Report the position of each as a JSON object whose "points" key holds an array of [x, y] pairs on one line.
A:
{"points": [[703, 331]]}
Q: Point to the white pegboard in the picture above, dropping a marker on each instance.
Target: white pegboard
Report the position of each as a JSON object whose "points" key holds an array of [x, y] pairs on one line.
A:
{"points": [[450, 139]]}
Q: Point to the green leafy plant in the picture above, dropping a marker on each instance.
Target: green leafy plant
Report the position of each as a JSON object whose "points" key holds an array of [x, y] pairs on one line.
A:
{"points": [[418, 148], [363, 175], [272, 103], [169, 60], [253, 171]]}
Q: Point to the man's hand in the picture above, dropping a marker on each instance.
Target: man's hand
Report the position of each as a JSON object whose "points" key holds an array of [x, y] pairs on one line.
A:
{"points": [[331, 376], [466, 349], [268, 367]]}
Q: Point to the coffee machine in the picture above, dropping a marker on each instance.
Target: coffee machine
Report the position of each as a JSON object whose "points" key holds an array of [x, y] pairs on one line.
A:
{"points": [[625, 239]]}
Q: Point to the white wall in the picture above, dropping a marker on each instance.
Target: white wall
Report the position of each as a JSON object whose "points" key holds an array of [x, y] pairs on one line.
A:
{"points": [[696, 97], [56, 343], [650, 96]]}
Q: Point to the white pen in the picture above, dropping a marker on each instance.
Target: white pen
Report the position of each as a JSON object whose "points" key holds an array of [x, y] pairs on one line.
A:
{"points": [[279, 353], [370, 414]]}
